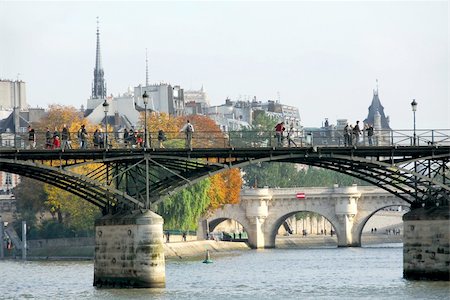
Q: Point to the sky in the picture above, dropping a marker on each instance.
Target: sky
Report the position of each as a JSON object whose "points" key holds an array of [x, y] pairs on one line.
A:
{"points": [[323, 57]]}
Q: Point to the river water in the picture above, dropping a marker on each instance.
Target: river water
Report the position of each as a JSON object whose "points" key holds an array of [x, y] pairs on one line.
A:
{"points": [[372, 272]]}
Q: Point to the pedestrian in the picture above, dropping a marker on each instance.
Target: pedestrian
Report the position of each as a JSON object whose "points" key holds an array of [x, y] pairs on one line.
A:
{"points": [[132, 138], [48, 139], [56, 133], [347, 133], [126, 135], [188, 129], [356, 134], [83, 136], [184, 236], [279, 129], [290, 136], [65, 138], [161, 138], [31, 138], [370, 134], [240, 235], [96, 138], [140, 139], [56, 142]]}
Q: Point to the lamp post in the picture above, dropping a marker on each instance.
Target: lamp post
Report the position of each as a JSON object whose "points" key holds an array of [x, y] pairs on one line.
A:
{"points": [[145, 97], [105, 109], [414, 108]]}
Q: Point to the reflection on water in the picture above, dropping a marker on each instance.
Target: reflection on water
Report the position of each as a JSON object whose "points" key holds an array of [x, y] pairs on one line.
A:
{"points": [[347, 273]]}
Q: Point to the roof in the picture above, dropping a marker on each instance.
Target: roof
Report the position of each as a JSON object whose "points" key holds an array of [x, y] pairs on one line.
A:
{"points": [[373, 109]]}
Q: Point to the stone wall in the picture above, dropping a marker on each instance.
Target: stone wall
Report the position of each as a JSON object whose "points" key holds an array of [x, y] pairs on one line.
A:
{"points": [[426, 253]]}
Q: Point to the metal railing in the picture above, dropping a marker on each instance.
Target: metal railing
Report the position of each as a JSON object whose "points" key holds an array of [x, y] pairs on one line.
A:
{"points": [[233, 139]]}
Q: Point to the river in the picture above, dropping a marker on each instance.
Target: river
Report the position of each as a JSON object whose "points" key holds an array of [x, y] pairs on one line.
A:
{"points": [[372, 272]]}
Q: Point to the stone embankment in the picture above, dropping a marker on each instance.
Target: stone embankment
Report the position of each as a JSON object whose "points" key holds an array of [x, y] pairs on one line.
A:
{"points": [[83, 248]]}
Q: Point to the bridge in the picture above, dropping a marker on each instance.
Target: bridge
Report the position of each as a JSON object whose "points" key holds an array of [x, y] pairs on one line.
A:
{"points": [[261, 212], [126, 183]]}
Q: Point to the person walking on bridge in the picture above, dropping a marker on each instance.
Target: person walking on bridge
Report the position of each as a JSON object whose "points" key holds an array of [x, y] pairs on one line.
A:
{"points": [[188, 129], [48, 139], [356, 134], [279, 128], [65, 138], [31, 138], [290, 136]]}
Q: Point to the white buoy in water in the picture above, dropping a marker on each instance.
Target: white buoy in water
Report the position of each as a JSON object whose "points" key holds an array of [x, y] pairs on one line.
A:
{"points": [[207, 258]]}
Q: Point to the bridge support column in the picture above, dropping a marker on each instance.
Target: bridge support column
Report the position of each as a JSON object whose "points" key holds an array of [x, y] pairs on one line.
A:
{"points": [[256, 233], [257, 212], [129, 251], [426, 253], [346, 209]]}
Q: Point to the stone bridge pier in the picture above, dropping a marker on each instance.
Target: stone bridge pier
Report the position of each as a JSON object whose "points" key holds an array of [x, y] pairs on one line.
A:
{"points": [[129, 251], [261, 212]]}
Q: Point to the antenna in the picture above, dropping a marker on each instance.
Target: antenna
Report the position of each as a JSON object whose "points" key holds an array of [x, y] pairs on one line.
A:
{"points": [[377, 85], [146, 68]]}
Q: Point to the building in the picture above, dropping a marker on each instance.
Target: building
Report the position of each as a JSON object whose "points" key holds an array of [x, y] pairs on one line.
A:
{"points": [[162, 97], [196, 101], [124, 109], [13, 95], [329, 134], [234, 115]]}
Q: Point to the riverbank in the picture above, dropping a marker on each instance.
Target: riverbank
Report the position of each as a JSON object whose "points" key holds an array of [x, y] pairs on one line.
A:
{"points": [[83, 248], [311, 241]]}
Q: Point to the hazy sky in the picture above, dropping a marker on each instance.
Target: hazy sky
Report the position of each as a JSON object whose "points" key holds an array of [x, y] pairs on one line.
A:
{"points": [[322, 57]]}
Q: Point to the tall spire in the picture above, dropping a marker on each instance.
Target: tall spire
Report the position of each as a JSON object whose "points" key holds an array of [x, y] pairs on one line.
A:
{"points": [[146, 68], [99, 85]]}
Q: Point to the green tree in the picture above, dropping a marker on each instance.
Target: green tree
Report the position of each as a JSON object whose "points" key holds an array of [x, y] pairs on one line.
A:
{"points": [[271, 174], [31, 197], [183, 209]]}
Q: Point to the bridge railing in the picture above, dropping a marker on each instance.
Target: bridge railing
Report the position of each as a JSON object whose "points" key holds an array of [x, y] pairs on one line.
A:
{"points": [[235, 139]]}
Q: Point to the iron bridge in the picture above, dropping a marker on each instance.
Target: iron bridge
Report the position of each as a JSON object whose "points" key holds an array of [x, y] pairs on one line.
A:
{"points": [[121, 179]]}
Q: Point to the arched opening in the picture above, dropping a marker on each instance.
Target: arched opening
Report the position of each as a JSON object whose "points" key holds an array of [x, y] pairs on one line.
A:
{"points": [[304, 229], [226, 229], [383, 226]]}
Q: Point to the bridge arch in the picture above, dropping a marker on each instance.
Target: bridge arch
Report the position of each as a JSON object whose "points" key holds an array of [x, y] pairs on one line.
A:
{"points": [[364, 219], [273, 226]]}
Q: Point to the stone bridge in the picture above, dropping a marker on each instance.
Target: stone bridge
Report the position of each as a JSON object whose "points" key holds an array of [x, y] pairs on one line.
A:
{"points": [[262, 211]]}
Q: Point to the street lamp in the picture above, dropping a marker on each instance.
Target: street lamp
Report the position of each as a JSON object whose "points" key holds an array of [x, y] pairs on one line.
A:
{"points": [[145, 97], [414, 108], [105, 109]]}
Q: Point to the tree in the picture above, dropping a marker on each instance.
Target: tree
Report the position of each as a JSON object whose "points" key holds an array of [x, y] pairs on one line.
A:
{"points": [[185, 208], [225, 188], [30, 199]]}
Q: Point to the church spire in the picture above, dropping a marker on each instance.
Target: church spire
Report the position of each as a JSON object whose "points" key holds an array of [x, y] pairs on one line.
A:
{"points": [[99, 85]]}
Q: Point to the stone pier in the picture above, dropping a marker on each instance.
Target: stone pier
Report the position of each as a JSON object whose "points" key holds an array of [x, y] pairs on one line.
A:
{"points": [[129, 251], [426, 253]]}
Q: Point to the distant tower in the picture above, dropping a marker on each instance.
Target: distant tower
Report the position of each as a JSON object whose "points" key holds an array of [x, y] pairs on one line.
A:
{"points": [[99, 85], [375, 108]]}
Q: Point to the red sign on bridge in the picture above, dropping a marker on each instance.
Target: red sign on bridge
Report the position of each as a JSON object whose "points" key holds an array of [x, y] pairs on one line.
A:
{"points": [[300, 195]]}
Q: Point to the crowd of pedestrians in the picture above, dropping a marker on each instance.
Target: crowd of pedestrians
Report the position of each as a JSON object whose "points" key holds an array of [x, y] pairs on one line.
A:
{"points": [[352, 134], [135, 139], [98, 139]]}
